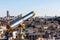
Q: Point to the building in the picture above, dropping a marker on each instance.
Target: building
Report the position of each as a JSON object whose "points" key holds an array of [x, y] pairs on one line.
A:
{"points": [[6, 19]]}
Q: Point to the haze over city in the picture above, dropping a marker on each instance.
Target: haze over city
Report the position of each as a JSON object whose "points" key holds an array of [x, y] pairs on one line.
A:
{"points": [[40, 7]]}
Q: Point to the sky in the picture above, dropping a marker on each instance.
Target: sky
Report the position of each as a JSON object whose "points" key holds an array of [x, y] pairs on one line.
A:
{"points": [[40, 7]]}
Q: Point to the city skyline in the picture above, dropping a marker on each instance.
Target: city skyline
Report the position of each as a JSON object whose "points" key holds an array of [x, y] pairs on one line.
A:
{"points": [[40, 7]]}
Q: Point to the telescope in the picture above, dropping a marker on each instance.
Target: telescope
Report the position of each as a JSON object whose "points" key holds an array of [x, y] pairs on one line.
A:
{"points": [[15, 22]]}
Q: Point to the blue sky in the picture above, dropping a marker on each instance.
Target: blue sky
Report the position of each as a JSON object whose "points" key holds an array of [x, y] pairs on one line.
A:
{"points": [[40, 7]]}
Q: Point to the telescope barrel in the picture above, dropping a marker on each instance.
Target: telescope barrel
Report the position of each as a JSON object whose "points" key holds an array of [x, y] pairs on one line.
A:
{"points": [[18, 20]]}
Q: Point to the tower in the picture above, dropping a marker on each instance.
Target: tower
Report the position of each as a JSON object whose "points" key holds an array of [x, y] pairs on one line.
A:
{"points": [[8, 13]]}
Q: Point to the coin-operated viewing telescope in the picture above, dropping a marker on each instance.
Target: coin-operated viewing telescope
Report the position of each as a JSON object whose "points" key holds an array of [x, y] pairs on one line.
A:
{"points": [[19, 20]]}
